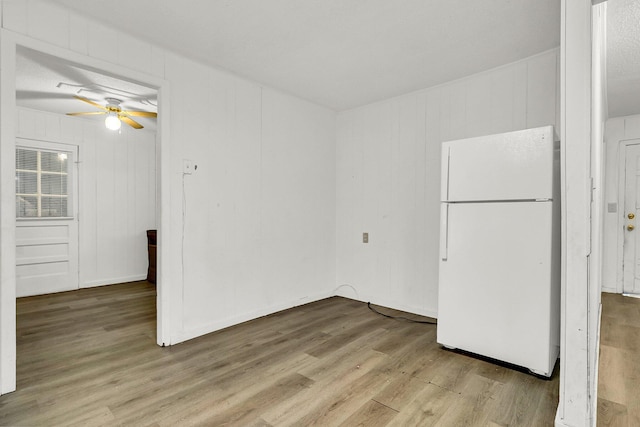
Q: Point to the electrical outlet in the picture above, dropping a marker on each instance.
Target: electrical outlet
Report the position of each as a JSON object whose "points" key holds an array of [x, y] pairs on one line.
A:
{"points": [[187, 167], [365, 237]]}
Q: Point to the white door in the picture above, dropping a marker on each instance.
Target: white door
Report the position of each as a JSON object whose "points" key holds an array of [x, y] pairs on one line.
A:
{"points": [[631, 252], [46, 218]]}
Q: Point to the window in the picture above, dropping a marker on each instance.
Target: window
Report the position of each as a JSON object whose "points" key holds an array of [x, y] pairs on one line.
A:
{"points": [[42, 183]]}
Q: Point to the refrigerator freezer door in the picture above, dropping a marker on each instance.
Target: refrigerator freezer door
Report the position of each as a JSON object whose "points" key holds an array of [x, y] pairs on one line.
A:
{"points": [[496, 288], [508, 166]]}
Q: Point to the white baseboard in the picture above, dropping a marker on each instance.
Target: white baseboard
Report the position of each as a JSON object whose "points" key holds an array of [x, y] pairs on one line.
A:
{"points": [[393, 305], [113, 281], [191, 333]]}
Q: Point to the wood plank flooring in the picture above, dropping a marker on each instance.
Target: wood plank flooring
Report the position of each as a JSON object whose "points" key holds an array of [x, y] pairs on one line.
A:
{"points": [[619, 370], [89, 357]]}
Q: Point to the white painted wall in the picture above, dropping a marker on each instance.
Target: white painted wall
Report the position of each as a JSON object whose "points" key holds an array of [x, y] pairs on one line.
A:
{"points": [[117, 192], [252, 231], [618, 129], [260, 208], [388, 174]]}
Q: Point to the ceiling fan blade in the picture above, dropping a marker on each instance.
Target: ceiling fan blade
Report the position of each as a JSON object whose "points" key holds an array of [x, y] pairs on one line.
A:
{"points": [[88, 101], [130, 122], [92, 113], [139, 113]]}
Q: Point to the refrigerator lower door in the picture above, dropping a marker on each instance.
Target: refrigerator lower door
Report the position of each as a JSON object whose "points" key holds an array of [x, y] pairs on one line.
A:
{"points": [[497, 293]]}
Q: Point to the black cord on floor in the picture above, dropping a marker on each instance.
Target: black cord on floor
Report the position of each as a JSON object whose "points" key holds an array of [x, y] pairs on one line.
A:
{"points": [[406, 319]]}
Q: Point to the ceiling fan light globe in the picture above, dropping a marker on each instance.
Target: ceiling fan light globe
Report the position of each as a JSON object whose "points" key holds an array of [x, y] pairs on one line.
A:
{"points": [[112, 122]]}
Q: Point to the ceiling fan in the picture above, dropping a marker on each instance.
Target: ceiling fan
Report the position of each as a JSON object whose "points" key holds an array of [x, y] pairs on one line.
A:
{"points": [[115, 114]]}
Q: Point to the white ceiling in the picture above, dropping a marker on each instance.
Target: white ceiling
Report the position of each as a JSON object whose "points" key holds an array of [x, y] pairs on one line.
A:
{"points": [[340, 53], [49, 84], [623, 57]]}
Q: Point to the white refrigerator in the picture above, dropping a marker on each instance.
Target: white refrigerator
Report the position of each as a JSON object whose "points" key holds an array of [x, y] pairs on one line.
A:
{"points": [[499, 278]]}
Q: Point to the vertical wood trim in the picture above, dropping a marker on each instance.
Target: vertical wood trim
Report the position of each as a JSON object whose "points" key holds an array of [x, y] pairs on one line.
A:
{"points": [[7, 214], [576, 407], [599, 114]]}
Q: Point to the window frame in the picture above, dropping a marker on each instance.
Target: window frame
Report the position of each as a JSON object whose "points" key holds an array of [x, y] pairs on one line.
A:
{"points": [[49, 147]]}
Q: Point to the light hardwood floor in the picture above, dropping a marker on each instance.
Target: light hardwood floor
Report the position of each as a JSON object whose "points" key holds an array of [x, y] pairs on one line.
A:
{"points": [[619, 368], [89, 357]]}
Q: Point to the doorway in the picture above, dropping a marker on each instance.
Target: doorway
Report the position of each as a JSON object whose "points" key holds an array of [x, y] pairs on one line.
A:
{"points": [[630, 221], [11, 42]]}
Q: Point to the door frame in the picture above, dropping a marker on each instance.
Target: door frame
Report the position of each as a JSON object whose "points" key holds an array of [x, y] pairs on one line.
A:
{"points": [[620, 222], [9, 42]]}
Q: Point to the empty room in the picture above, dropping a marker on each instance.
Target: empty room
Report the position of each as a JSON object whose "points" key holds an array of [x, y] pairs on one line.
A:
{"points": [[300, 212]]}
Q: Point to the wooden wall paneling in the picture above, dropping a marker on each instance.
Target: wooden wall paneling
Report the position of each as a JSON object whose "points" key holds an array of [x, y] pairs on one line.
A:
{"points": [[348, 200], [241, 222], [420, 232], [47, 21], [78, 33], [220, 103], [88, 221], [384, 209], [103, 42], [245, 154], [157, 61], [77, 131], [374, 132], [457, 113], [53, 128], [403, 201], [494, 101], [541, 90], [362, 251], [144, 195], [479, 102], [347, 189], [134, 53], [509, 98], [617, 129], [130, 232], [105, 191], [25, 125], [283, 194], [518, 103], [40, 127], [115, 202], [15, 16], [431, 191], [119, 207]]}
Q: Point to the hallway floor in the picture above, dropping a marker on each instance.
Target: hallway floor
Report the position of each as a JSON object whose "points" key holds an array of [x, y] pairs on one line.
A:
{"points": [[619, 371]]}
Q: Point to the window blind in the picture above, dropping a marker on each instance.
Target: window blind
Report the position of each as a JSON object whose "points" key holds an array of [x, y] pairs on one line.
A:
{"points": [[42, 183]]}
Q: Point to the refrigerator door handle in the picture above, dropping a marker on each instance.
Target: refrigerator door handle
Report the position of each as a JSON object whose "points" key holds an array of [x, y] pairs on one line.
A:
{"points": [[444, 231], [446, 159]]}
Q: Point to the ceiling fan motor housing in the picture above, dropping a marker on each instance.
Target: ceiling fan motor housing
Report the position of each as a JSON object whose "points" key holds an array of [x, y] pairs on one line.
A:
{"points": [[113, 104]]}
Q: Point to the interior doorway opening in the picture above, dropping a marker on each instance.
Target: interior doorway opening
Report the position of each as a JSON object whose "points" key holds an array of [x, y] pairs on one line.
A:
{"points": [[12, 116]]}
